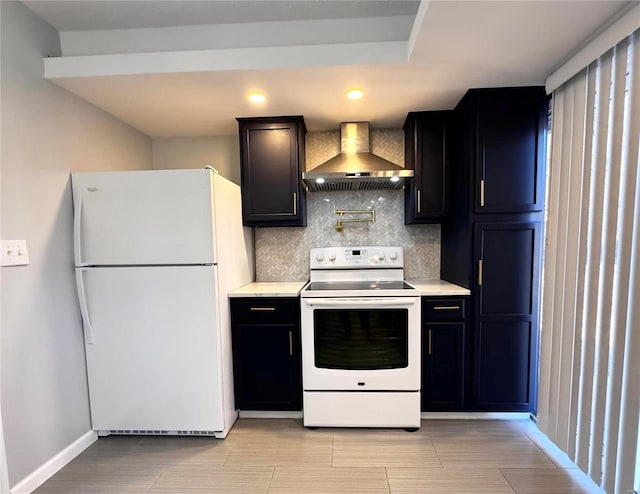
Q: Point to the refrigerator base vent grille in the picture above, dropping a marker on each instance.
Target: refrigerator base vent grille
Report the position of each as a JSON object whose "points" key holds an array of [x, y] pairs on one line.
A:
{"points": [[136, 432]]}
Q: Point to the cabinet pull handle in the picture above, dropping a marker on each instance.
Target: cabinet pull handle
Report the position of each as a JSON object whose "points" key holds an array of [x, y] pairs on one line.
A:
{"points": [[480, 272], [290, 343], [419, 200], [263, 309], [295, 203], [429, 342], [447, 307], [484, 163]]}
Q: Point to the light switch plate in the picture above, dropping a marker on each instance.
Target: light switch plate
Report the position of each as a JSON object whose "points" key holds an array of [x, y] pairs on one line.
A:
{"points": [[14, 252]]}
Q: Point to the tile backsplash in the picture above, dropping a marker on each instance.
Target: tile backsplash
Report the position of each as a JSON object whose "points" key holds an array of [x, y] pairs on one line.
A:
{"points": [[282, 254], [386, 143]]}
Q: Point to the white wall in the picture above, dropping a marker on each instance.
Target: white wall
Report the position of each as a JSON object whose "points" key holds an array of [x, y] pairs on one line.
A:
{"points": [[221, 152], [46, 134]]}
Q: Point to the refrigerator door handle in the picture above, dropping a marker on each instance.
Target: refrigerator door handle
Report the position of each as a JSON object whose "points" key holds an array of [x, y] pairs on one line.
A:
{"points": [[84, 308], [77, 230]]}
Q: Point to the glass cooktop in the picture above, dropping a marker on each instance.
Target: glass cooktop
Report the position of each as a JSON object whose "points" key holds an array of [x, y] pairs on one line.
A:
{"points": [[359, 285]]}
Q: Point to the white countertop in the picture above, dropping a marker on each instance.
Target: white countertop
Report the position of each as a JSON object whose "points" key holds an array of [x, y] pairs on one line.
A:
{"points": [[269, 289], [426, 288], [438, 287]]}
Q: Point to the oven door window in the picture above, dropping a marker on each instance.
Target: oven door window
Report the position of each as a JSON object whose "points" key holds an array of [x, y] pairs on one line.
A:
{"points": [[361, 339]]}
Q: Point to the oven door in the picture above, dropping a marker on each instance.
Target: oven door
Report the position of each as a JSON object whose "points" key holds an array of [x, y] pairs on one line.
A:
{"points": [[361, 344]]}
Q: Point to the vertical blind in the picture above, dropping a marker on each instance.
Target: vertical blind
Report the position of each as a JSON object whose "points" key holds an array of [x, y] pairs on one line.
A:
{"points": [[589, 383]]}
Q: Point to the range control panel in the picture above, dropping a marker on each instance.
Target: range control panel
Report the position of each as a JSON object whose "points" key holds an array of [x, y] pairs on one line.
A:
{"points": [[356, 257]]}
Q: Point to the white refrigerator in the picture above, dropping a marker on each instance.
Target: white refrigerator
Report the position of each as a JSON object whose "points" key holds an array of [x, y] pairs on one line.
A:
{"points": [[156, 253]]}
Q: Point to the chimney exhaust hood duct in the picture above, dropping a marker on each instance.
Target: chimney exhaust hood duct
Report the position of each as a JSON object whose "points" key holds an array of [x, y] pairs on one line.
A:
{"points": [[355, 168]]}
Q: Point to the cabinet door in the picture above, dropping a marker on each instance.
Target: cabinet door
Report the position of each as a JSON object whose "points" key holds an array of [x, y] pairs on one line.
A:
{"points": [[510, 151], [503, 376], [270, 154], [443, 366], [506, 316], [267, 367], [132, 386], [426, 152]]}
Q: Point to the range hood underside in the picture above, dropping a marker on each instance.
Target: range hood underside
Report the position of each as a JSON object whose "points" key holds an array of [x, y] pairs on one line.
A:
{"points": [[360, 183], [356, 171]]}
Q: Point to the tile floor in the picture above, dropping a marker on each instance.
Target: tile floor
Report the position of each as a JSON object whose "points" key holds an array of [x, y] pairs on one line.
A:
{"points": [[278, 456]]}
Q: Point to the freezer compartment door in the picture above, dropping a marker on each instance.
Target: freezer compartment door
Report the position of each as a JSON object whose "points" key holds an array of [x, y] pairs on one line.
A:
{"points": [[143, 217], [154, 360]]}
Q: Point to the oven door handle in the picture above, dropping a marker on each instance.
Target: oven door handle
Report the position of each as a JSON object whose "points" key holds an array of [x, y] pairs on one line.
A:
{"points": [[362, 302]]}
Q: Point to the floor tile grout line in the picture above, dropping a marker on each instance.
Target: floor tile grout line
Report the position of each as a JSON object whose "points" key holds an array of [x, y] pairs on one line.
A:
{"points": [[164, 469], [228, 456], [507, 481], [273, 474], [333, 439], [435, 450], [386, 474], [433, 445], [548, 457]]}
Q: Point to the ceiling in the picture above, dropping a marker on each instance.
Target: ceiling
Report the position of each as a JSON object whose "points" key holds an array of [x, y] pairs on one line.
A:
{"points": [[184, 68], [114, 14]]}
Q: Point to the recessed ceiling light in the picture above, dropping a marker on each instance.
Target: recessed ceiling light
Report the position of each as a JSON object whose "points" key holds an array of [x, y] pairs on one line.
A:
{"points": [[355, 93], [256, 97]]}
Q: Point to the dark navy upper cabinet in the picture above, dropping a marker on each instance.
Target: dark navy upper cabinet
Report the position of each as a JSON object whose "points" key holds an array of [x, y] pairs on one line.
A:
{"points": [[507, 142], [272, 157], [427, 153]]}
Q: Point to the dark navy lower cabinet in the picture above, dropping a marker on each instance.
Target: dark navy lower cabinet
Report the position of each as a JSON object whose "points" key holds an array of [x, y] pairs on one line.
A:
{"points": [[505, 340], [443, 353], [503, 370], [266, 353]]}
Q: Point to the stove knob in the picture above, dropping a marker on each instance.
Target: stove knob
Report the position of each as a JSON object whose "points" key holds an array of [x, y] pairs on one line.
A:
{"points": [[332, 256], [393, 255], [319, 257], [381, 256]]}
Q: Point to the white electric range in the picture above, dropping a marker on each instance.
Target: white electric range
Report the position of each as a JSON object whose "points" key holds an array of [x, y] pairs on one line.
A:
{"points": [[360, 340]]}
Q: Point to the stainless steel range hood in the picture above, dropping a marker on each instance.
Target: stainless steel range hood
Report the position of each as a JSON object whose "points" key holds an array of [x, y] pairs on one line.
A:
{"points": [[355, 168]]}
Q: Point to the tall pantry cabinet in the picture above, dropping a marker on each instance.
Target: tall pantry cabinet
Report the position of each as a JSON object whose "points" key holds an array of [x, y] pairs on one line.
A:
{"points": [[492, 241]]}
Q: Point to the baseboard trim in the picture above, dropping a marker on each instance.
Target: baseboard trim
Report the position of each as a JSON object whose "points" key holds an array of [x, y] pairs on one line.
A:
{"points": [[475, 415], [43, 473], [268, 414]]}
